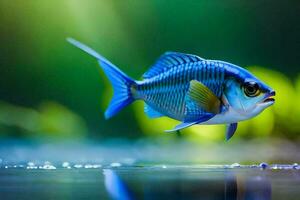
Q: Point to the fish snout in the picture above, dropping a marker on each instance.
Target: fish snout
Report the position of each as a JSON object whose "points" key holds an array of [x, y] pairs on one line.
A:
{"points": [[269, 97], [272, 93]]}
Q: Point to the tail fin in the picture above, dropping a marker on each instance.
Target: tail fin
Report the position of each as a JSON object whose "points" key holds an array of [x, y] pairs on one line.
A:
{"points": [[120, 81]]}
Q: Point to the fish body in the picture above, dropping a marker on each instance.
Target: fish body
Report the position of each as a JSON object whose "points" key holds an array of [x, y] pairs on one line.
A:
{"points": [[189, 89], [166, 91]]}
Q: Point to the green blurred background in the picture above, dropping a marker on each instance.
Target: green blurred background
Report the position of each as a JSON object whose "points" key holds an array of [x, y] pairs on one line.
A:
{"points": [[49, 89]]}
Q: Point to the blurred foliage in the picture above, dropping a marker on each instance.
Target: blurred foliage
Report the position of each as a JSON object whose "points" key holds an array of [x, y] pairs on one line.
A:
{"points": [[51, 120], [37, 64]]}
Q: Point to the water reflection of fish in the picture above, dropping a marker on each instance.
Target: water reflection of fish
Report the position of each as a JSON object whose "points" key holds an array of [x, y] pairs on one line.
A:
{"points": [[190, 89], [228, 186], [115, 186]]}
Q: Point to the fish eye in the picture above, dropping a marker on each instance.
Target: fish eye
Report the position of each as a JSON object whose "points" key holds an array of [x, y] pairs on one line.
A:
{"points": [[251, 89]]}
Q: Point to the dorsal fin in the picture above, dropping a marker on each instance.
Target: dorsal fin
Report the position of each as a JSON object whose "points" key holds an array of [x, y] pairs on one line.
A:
{"points": [[169, 60]]}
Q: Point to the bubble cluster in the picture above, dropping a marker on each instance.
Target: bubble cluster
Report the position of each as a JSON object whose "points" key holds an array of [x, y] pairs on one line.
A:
{"points": [[47, 165]]}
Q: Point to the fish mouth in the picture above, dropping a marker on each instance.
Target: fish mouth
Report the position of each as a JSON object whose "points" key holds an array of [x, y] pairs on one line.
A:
{"points": [[269, 98]]}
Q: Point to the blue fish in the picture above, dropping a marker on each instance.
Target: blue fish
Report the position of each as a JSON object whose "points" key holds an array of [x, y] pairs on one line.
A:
{"points": [[189, 89]]}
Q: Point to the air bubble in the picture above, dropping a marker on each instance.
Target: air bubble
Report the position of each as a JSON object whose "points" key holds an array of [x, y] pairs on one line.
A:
{"points": [[78, 166], [88, 166], [275, 167], [295, 166], [97, 166], [263, 165], [66, 165], [115, 164], [47, 165], [235, 165], [31, 165]]}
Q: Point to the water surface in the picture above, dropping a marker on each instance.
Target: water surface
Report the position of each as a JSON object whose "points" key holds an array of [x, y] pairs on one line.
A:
{"points": [[148, 171], [151, 182]]}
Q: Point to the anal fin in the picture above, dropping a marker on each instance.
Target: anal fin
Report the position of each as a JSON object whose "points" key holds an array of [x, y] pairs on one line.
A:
{"points": [[230, 130]]}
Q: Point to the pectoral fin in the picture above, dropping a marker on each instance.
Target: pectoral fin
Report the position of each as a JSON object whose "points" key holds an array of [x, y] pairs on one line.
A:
{"points": [[188, 124], [230, 130], [204, 97]]}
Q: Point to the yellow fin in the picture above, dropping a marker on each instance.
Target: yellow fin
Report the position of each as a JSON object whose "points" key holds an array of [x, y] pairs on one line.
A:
{"points": [[204, 97]]}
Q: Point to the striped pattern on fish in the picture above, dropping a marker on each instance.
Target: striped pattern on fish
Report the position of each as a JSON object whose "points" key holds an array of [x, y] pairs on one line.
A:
{"points": [[166, 92], [190, 89]]}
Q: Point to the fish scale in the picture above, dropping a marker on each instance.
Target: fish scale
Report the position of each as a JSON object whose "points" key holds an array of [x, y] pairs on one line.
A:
{"points": [[166, 92]]}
